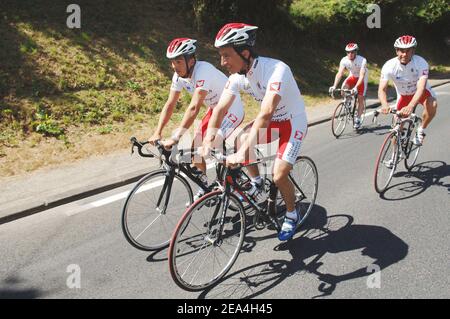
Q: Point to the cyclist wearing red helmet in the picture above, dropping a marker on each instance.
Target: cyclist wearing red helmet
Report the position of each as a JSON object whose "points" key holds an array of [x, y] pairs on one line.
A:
{"points": [[409, 72], [205, 83], [282, 114], [357, 79]]}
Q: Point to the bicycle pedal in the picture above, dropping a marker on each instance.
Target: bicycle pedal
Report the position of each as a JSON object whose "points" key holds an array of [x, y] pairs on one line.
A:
{"points": [[258, 222]]}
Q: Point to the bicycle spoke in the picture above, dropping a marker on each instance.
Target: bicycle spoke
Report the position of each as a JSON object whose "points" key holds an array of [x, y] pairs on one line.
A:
{"points": [[137, 237]]}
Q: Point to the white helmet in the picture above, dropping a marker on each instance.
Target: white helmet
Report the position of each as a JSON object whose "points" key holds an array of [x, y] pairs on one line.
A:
{"points": [[180, 46], [236, 34], [351, 47], [405, 42]]}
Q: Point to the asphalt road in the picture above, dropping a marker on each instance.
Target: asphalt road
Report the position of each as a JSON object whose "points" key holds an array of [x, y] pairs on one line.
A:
{"points": [[352, 232]]}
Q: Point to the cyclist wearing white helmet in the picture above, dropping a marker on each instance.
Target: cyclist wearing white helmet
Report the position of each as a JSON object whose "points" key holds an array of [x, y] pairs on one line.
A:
{"points": [[282, 114], [357, 78], [409, 72], [205, 83]]}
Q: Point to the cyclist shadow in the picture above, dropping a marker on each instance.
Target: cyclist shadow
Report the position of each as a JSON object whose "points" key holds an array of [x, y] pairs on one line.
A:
{"points": [[324, 237], [423, 175], [160, 254], [375, 129]]}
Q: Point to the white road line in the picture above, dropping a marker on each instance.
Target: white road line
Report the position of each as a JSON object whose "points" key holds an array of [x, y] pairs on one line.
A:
{"points": [[117, 197]]}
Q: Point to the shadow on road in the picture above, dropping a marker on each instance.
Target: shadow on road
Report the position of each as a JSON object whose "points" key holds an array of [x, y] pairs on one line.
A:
{"points": [[323, 235], [9, 290], [421, 177]]}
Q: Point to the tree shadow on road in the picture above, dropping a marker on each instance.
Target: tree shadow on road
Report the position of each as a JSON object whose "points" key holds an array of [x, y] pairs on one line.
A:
{"points": [[9, 290], [323, 236]]}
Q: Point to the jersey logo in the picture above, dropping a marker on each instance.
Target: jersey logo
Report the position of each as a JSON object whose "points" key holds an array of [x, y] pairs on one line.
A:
{"points": [[275, 86], [233, 118], [298, 135], [199, 83]]}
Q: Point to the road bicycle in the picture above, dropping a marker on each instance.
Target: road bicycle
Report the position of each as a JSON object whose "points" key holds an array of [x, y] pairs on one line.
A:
{"points": [[397, 146], [156, 202], [345, 112], [208, 238]]}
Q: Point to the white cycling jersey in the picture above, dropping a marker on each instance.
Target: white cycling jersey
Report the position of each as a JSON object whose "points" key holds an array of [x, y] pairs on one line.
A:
{"points": [[355, 66], [405, 77], [268, 74], [206, 77]]}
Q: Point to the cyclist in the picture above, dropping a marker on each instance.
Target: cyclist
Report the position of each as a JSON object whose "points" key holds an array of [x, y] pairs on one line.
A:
{"points": [[357, 78], [409, 72], [282, 113], [205, 83]]}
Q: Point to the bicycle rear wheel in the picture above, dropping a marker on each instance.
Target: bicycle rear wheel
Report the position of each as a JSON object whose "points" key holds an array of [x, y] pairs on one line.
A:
{"points": [[339, 120], [386, 162], [200, 254], [305, 178], [412, 150], [151, 212]]}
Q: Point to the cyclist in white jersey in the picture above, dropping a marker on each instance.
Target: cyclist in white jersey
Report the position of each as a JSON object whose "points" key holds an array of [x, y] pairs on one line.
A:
{"points": [[357, 79], [205, 83], [409, 72], [282, 114]]}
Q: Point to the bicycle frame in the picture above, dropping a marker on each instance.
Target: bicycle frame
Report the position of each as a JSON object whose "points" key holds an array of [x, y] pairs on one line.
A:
{"points": [[347, 99], [403, 141], [171, 169]]}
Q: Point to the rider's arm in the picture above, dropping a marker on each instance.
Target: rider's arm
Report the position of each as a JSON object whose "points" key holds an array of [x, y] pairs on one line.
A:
{"points": [[268, 108], [225, 102], [338, 76], [382, 93], [362, 74], [191, 113], [167, 111]]}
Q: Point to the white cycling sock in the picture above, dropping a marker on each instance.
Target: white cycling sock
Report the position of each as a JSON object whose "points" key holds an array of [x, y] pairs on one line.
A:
{"points": [[257, 180], [204, 178], [292, 215]]}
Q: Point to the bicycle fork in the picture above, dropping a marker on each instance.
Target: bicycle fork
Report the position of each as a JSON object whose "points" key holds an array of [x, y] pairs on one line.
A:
{"points": [[167, 187]]}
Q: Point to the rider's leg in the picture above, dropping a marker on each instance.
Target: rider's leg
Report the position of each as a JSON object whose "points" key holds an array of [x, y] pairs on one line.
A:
{"points": [[429, 111], [292, 134], [361, 102], [281, 171], [252, 170]]}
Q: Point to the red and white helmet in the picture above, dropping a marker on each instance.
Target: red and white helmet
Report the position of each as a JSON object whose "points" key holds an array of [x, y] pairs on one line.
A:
{"points": [[405, 42], [351, 47], [236, 34], [180, 46]]}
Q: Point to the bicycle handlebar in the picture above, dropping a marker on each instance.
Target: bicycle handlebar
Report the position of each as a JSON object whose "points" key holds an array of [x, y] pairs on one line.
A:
{"points": [[345, 91], [140, 146]]}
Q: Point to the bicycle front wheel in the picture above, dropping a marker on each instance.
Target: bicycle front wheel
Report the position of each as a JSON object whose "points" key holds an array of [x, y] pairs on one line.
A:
{"points": [[207, 241], [386, 162], [339, 120], [153, 208]]}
